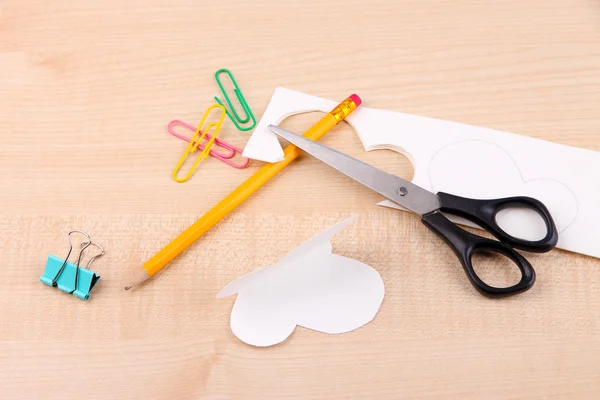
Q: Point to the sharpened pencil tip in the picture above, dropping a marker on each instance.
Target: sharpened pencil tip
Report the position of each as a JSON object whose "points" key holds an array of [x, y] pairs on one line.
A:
{"points": [[138, 279]]}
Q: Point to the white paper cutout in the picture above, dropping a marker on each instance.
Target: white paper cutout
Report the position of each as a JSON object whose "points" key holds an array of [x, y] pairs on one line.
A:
{"points": [[566, 179], [496, 165], [309, 287]]}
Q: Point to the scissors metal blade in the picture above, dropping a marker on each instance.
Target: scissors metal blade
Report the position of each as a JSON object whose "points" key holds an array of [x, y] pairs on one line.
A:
{"points": [[394, 188]]}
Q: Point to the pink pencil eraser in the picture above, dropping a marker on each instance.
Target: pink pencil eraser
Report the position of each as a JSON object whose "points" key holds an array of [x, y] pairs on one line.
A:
{"points": [[356, 99]]}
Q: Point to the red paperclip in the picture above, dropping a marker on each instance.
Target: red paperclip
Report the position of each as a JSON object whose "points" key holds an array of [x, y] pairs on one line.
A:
{"points": [[218, 142]]}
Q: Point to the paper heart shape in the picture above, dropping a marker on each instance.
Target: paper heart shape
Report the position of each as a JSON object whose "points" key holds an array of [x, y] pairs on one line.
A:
{"points": [[492, 173], [309, 287]]}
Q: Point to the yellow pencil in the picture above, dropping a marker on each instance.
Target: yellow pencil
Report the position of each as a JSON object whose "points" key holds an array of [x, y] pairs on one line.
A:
{"points": [[241, 193]]}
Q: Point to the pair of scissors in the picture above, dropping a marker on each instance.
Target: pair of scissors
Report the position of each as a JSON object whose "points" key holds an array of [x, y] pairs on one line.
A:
{"points": [[430, 206]]}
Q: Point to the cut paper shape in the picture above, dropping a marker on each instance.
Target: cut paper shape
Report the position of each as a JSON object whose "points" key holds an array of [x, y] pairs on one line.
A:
{"points": [[496, 165], [309, 287], [468, 161]]}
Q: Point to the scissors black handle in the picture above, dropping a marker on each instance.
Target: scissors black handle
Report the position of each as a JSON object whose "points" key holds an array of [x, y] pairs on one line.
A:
{"points": [[483, 213]]}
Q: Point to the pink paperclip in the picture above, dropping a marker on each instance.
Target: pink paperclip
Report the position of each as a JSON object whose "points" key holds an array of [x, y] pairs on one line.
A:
{"points": [[218, 142]]}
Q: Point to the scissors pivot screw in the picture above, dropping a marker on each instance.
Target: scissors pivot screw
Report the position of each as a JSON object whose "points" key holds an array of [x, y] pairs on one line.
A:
{"points": [[402, 191]]}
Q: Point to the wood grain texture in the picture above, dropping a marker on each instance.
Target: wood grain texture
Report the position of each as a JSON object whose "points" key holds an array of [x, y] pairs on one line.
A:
{"points": [[87, 90]]}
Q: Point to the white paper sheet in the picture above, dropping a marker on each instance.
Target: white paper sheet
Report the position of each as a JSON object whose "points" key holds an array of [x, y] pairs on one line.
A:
{"points": [[309, 287], [469, 161]]}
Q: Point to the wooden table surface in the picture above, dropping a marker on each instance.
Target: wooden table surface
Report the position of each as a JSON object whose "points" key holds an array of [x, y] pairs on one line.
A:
{"points": [[87, 88]]}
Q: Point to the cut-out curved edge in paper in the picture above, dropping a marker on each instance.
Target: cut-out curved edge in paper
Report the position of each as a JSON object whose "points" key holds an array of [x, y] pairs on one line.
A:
{"points": [[310, 287], [496, 165], [564, 178]]}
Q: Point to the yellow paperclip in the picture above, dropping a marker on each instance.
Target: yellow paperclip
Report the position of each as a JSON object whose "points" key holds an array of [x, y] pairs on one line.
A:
{"points": [[197, 139]]}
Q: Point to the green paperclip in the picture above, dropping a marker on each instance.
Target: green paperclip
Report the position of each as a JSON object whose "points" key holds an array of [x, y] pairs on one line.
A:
{"points": [[233, 115]]}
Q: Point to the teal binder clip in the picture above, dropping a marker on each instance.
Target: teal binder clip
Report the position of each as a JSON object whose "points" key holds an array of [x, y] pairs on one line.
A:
{"points": [[69, 277]]}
